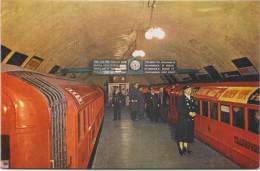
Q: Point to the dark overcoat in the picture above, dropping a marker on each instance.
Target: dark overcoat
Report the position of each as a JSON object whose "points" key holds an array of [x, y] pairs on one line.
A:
{"points": [[152, 103], [135, 97], [185, 124], [141, 102], [117, 99]]}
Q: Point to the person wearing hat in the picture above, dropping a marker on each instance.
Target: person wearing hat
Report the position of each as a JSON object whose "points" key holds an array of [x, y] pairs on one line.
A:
{"points": [[135, 101], [152, 105], [116, 103], [184, 133]]}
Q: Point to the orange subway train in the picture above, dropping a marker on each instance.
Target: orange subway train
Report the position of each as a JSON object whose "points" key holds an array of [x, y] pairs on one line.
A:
{"points": [[47, 121], [228, 118]]}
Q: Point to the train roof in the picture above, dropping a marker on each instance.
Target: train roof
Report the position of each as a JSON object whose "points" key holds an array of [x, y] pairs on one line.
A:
{"points": [[12, 68], [238, 92], [228, 94], [81, 93]]}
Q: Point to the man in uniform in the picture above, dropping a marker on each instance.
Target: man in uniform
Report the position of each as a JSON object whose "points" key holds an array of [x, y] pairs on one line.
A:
{"points": [[153, 105], [163, 101], [135, 96], [116, 103], [185, 125], [141, 104]]}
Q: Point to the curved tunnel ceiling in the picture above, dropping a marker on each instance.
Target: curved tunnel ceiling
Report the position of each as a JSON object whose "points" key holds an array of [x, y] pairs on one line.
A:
{"points": [[71, 33]]}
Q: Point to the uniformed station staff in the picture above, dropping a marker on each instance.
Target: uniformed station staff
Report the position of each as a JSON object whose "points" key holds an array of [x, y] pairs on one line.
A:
{"points": [[152, 105], [164, 102], [117, 101], [185, 124], [136, 102]]}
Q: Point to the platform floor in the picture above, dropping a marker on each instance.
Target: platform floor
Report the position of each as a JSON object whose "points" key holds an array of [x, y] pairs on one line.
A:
{"points": [[144, 145]]}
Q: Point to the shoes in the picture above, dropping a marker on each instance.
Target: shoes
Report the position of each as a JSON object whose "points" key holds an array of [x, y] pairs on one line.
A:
{"points": [[181, 152], [185, 150]]}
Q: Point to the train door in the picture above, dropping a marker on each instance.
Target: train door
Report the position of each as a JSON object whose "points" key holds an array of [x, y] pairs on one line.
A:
{"points": [[7, 144]]}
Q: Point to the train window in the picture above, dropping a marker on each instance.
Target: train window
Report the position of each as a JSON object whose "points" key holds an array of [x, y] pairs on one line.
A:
{"points": [[214, 111], [238, 117], [17, 59], [90, 114], [5, 148], [225, 113], [253, 120], [255, 97], [197, 104], [84, 120], [93, 113], [205, 108], [88, 117], [34, 63], [78, 126]]}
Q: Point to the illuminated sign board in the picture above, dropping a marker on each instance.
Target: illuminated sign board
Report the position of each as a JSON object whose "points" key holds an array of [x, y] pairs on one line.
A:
{"points": [[110, 67], [133, 67]]}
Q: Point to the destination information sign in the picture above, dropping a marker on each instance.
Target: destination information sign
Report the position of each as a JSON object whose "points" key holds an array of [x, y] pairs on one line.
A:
{"points": [[116, 67], [110, 67]]}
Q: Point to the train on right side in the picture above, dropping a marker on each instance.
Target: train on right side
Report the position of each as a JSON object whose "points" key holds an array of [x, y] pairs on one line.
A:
{"points": [[227, 118]]}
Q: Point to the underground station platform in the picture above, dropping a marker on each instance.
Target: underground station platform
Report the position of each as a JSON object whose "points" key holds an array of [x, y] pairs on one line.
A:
{"points": [[69, 66], [142, 144]]}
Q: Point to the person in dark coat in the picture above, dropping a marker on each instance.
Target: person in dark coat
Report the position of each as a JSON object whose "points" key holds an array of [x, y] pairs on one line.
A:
{"points": [[153, 105], [135, 98], [116, 103], [163, 101], [146, 102], [185, 124], [141, 104]]}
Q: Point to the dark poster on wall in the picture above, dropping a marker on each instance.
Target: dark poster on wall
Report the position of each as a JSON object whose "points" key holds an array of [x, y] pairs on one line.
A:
{"points": [[245, 66], [34, 63]]}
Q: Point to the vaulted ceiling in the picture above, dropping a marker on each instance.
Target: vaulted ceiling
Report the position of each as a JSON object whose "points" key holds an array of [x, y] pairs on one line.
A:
{"points": [[71, 33]]}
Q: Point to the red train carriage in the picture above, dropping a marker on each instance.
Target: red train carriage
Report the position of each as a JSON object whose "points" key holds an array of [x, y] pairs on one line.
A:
{"points": [[228, 119], [47, 122]]}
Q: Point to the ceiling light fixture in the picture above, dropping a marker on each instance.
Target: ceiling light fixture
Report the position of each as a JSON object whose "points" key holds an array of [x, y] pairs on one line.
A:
{"points": [[153, 32], [156, 32], [138, 53]]}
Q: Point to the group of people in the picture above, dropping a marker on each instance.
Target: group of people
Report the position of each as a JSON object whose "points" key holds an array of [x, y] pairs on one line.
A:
{"points": [[155, 105]]}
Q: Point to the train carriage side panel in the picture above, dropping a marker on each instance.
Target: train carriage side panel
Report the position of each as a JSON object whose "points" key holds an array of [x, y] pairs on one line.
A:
{"points": [[221, 134], [71, 122], [85, 101], [238, 144]]}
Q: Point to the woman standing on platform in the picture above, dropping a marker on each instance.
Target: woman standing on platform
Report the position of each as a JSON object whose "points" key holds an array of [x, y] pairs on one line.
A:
{"points": [[185, 125], [116, 103]]}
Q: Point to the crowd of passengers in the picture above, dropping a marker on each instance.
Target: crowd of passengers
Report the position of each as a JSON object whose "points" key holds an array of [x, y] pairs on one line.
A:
{"points": [[151, 105]]}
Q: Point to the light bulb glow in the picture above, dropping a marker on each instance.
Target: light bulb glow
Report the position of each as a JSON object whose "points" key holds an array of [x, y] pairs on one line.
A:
{"points": [[159, 33], [138, 53], [156, 32], [149, 34]]}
